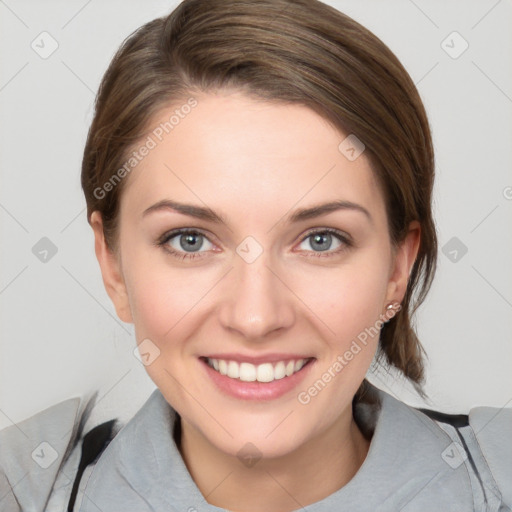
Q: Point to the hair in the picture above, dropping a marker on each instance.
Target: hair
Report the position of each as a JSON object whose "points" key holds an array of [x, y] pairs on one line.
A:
{"points": [[290, 51]]}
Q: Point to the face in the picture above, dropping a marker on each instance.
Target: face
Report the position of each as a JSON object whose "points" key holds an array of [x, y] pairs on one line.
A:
{"points": [[247, 277]]}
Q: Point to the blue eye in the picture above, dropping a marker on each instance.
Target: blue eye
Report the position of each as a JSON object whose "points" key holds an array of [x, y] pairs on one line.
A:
{"points": [[184, 243], [321, 242], [187, 243]]}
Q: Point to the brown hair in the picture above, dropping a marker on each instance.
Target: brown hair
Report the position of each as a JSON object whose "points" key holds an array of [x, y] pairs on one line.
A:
{"points": [[293, 51]]}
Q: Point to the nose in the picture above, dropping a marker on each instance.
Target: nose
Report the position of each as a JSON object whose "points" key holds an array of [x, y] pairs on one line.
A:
{"points": [[257, 301]]}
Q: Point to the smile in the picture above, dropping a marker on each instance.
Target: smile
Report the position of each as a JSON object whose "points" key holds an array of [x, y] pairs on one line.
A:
{"points": [[248, 372]]}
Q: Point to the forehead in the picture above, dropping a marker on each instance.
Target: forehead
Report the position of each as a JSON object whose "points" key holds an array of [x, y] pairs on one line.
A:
{"points": [[232, 150]]}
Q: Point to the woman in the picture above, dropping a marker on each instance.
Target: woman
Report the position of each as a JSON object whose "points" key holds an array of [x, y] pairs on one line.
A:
{"points": [[258, 177]]}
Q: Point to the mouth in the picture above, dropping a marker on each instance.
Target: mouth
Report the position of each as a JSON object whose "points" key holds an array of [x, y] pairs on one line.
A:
{"points": [[265, 372], [264, 381]]}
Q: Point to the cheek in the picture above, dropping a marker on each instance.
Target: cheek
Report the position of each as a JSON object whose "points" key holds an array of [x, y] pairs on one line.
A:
{"points": [[345, 299], [166, 299], [349, 301], [163, 300], [340, 300], [165, 307]]}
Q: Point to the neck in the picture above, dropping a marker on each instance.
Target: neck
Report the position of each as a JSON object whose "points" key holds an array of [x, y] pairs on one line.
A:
{"points": [[280, 484]]}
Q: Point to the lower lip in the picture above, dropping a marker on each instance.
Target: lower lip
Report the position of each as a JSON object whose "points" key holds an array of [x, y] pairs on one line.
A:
{"points": [[257, 390]]}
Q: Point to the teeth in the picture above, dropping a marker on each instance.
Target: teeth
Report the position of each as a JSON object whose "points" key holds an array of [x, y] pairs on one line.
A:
{"points": [[279, 370], [265, 372], [233, 370], [247, 372], [223, 367]]}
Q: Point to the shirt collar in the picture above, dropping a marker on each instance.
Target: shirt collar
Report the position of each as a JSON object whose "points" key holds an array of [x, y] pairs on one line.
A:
{"points": [[404, 465]]}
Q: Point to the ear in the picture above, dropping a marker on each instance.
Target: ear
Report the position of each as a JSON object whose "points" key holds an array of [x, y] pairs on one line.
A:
{"points": [[110, 270], [404, 258]]}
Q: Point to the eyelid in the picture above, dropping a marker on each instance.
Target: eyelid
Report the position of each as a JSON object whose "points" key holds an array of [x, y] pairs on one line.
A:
{"points": [[344, 238], [342, 235], [181, 231]]}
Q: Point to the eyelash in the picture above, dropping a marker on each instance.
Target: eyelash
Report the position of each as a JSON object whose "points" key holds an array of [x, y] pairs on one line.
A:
{"points": [[166, 237]]}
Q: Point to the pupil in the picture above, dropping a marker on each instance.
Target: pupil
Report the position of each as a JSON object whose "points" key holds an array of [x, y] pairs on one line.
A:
{"points": [[190, 239], [318, 239]]}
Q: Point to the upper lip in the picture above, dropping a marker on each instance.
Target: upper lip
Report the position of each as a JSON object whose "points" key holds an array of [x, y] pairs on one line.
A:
{"points": [[267, 358]]}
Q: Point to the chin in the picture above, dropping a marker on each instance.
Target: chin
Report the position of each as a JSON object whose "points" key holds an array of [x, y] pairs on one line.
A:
{"points": [[270, 434]]}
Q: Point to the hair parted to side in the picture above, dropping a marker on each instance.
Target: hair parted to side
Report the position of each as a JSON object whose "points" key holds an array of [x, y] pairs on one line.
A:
{"points": [[293, 51]]}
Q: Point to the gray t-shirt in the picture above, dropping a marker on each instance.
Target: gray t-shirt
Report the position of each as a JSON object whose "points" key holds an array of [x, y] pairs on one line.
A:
{"points": [[414, 463]]}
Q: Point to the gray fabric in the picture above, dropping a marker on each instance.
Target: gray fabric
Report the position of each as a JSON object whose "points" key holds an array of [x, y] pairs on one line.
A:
{"points": [[414, 463], [411, 466], [486, 495], [31, 453], [493, 430]]}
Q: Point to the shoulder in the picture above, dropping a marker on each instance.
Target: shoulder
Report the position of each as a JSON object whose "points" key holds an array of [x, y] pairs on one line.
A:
{"points": [[40, 453], [493, 430], [445, 459], [481, 439], [31, 453]]}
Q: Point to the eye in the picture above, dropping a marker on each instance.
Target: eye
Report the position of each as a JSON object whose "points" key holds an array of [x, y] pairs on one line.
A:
{"points": [[185, 243], [321, 241]]}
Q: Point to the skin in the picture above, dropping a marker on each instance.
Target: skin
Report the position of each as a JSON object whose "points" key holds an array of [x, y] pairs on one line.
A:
{"points": [[255, 163]]}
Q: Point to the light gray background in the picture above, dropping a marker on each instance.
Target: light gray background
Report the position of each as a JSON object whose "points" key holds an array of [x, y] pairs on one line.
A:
{"points": [[59, 333]]}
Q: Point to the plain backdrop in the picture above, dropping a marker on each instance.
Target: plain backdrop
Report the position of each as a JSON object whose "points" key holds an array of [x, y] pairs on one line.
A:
{"points": [[59, 333]]}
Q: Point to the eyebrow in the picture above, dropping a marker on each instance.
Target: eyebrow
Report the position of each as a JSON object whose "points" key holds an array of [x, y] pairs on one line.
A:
{"points": [[302, 214]]}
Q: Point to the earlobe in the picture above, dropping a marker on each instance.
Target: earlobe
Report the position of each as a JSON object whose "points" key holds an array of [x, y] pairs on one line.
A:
{"points": [[110, 270], [405, 256]]}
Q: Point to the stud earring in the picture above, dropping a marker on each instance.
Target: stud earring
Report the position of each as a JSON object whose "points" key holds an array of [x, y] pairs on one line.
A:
{"points": [[392, 309]]}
